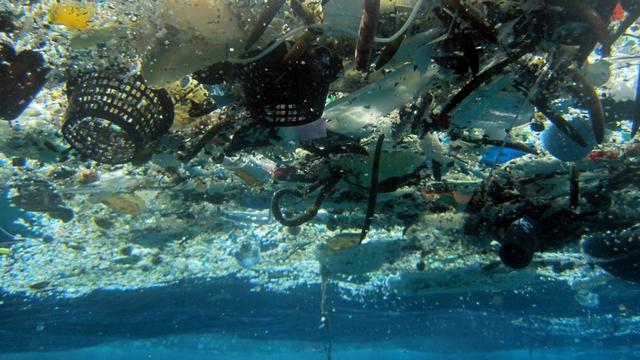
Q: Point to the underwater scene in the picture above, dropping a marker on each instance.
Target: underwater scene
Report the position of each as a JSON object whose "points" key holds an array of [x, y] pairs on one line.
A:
{"points": [[319, 179]]}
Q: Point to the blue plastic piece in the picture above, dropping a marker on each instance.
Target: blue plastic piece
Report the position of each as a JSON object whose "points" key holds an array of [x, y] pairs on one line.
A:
{"points": [[490, 153]]}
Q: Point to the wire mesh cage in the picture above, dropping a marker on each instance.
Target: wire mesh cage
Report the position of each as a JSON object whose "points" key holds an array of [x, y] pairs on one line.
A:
{"points": [[113, 119], [292, 93]]}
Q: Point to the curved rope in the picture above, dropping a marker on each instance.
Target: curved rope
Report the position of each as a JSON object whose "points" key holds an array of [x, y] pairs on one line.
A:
{"points": [[311, 211], [582, 89]]}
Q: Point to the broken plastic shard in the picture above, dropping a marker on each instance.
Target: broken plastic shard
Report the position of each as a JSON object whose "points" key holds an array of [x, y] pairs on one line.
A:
{"points": [[248, 255], [364, 108], [587, 298]]}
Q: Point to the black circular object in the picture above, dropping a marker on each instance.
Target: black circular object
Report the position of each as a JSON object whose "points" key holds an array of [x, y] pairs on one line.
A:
{"points": [[282, 94], [519, 244], [515, 256], [112, 119]]}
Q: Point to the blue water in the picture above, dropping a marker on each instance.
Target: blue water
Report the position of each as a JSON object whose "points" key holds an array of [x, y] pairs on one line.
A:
{"points": [[226, 319], [289, 352]]}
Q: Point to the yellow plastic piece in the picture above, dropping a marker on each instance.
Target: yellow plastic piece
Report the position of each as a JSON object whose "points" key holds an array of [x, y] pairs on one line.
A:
{"points": [[73, 15], [5, 251], [343, 241], [130, 204], [182, 96]]}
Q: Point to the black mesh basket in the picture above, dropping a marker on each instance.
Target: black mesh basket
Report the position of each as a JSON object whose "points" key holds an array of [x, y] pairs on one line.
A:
{"points": [[278, 94], [113, 119]]}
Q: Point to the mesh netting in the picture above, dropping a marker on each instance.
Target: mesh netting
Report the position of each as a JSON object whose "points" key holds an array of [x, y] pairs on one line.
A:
{"points": [[289, 94], [112, 119]]}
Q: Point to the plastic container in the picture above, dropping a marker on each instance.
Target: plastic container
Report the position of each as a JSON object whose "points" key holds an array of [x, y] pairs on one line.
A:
{"points": [[114, 119], [289, 94]]}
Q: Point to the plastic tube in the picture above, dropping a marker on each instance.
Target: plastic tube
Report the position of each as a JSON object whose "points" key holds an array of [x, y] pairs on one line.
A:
{"points": [[300, 29], [275, 44], [410, 20]]}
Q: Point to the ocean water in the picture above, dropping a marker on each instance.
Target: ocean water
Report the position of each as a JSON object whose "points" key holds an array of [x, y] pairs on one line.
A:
{"points": [[236, 179], [227, 320]]}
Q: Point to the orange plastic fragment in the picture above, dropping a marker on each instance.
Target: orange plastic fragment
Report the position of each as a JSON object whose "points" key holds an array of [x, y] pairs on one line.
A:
{"points": [[618, 12]]}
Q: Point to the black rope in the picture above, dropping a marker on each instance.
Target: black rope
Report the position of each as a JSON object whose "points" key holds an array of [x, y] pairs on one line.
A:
{"points": [[574, 186], [581, 88], [373, 189], [204, 140], [311, 211], [636, 109], [264, 20]]}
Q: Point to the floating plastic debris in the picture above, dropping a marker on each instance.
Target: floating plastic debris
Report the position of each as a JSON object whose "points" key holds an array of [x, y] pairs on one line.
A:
{"points": [[130, 204], [618, 252], [248, 255], [289, 94], [40, 196], [22, 76], [562, 147], [252, 171], [343, 241], [519, 243], [497, 155], [74, 15], [115, 120], [228, 148], [587, 299]]}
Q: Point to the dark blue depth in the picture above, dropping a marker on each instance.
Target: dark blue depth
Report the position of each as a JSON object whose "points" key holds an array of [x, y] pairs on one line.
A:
{"points": [[455, 324]]}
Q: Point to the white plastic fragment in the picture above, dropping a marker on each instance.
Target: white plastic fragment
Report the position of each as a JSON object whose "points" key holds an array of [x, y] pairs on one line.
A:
{"points": [[365, 108]]}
